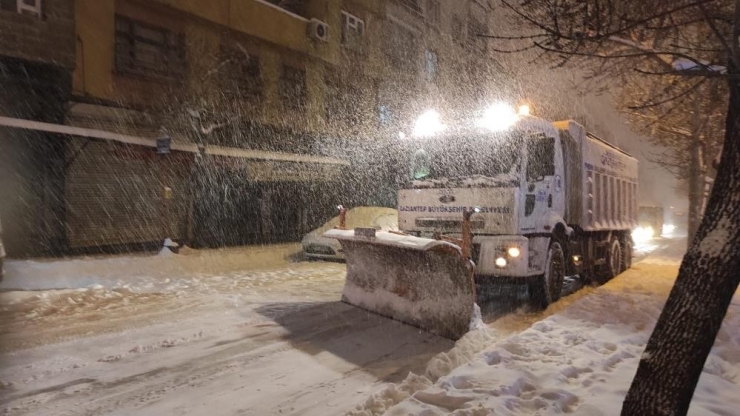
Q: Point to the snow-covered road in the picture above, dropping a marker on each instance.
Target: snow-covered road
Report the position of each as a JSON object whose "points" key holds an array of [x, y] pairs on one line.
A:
{"points": [[239, 331], [234, 331]]}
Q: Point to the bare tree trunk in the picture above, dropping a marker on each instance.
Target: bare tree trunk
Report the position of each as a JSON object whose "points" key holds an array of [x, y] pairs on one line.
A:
{"points": [[709, 275]]}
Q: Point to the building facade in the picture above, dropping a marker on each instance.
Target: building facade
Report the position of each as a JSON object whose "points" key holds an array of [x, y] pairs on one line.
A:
{"points": [[255, 91], [37, 56]]}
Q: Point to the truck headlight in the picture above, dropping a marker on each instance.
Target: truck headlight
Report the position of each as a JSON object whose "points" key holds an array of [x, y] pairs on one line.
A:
{"points": [[501, 262], [514, 252]]}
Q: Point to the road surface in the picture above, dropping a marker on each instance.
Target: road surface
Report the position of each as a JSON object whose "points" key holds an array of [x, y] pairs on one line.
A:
{"points": [[248, 331]]}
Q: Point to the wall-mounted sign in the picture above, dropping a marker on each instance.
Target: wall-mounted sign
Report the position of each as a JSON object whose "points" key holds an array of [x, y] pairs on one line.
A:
{"points": [[163, 145]]}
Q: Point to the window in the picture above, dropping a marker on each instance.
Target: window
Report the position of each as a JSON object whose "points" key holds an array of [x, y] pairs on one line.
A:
{"points": [[143, 49], [431, 65], [541, 158], [342, 101], [353, 31], [458, 30], [293, 87], [529, 203], [476, 28], [433, 13], [385, 115], [293, 6], [412, 6], [240, 72], [401, 47], [29, 7], [598, 201]]}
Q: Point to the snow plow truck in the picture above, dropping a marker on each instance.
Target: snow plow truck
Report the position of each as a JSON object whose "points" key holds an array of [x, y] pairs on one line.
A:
{"points": [[513, 199]]}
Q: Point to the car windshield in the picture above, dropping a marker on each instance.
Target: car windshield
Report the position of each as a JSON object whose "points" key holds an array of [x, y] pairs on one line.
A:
{"points": [[366, 217]]}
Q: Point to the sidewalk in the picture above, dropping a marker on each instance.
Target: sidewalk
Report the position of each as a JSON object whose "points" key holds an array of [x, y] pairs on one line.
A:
{"points": [[142, 271]]}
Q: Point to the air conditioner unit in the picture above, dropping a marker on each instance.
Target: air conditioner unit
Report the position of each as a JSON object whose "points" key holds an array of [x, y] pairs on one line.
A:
{"points": [[318, 30]]}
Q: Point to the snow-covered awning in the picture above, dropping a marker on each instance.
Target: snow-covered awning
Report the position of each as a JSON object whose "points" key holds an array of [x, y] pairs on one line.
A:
{"points": [[182, 147]]}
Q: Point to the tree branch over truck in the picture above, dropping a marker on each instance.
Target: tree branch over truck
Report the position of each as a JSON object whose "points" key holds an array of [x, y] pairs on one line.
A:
{"points": [[674, 357]]}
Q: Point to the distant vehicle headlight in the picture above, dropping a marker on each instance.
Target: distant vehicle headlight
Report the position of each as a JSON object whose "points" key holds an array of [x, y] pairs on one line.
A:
{"points": [[668, 229], [501, 262], [642, 234], [514, 252]]}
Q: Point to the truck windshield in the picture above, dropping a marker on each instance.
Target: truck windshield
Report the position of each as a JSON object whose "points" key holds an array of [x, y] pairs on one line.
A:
{"points": [[458, 157]]}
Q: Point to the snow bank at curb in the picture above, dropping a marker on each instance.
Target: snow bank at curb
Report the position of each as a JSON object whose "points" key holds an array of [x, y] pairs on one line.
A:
{"points": [[440, 365], [580, 360], [142, 272], [380, 402]]}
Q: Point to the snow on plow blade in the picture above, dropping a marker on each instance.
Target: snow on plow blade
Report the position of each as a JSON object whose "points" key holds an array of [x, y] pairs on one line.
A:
{"points": [[422, 282]]}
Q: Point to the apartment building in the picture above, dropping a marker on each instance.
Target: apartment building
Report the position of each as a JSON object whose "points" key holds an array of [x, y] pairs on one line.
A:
{"points": [[253, 94]]}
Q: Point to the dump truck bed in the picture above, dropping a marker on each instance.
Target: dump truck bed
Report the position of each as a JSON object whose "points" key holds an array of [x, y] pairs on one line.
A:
{"points": [[601, 180]]}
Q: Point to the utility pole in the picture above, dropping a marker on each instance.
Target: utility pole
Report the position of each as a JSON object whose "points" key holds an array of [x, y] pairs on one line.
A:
{"points": [[163, 149]]}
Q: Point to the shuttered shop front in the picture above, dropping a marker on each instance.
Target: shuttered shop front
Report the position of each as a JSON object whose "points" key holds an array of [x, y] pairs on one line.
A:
{"points": [[114, 195]]}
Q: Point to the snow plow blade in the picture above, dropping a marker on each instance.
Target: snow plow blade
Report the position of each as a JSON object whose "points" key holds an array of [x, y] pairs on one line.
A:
{"points": [[422, 282]]}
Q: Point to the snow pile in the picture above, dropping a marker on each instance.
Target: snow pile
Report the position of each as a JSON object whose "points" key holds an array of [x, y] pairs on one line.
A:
{"points": [[475, 181], [165, 251], [370, 217], [38, 304], [145, 273], [485, 181], [390, 239], [442, 364], [580, 360], [381, 402], [463, 352]]}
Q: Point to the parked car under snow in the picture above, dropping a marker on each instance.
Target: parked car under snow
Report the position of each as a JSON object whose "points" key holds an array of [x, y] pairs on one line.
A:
{"points": [[316, 246]]}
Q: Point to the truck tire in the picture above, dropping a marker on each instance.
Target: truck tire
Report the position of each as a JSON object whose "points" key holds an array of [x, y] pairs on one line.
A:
{"points": [[613, 264], [546, 289], [626, 254]]}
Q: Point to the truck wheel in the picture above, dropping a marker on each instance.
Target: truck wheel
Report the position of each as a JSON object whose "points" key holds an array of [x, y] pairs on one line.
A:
{"points": [[613, 264], [546, 289], [626, 255]]}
